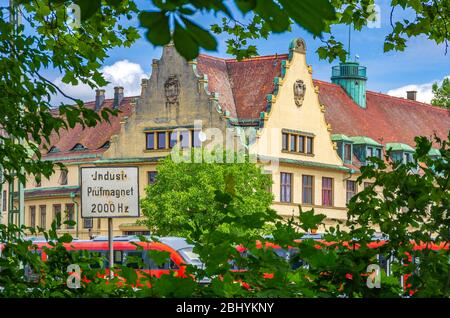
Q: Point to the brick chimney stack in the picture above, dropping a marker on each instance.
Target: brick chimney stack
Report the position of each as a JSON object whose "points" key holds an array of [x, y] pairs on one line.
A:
{"points": [[411, 95], [118, 96], [99, 98]]}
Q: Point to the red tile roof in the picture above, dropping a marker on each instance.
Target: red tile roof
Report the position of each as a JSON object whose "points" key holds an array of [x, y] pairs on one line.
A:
{"points": [[385, 119], [243, 87], [91, 138]]}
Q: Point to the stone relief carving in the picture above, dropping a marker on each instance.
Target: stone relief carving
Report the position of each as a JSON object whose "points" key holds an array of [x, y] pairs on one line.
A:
{"points": [[172, 90], [299, 92]]}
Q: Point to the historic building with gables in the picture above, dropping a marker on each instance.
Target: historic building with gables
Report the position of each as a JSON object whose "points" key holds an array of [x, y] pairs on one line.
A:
{"points": [[318, 133]]}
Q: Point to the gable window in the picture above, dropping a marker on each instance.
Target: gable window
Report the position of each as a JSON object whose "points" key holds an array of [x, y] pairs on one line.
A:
{"points": [[32, 216], [195, 137], [161, 140], [284, 141], [351, 190], [184, 139], [286, 187], [151, 177], [63, 177], [168, 139], [307, 189], [301, 144], [327, 191], [293, 143], [297, 142], [150, 141], [43, 212], [309, 145]]}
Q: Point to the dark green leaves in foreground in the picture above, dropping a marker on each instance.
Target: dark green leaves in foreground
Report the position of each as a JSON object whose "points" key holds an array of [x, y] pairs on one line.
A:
{"points": [[271, 16]]}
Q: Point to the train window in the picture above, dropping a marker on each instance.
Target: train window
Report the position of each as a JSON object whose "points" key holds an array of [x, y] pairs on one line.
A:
{"points": [[384, 263], [118, 257], [134, 259]]}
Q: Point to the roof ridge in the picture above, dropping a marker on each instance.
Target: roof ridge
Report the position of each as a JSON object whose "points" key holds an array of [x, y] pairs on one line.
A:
{"points": [[253, 58]]}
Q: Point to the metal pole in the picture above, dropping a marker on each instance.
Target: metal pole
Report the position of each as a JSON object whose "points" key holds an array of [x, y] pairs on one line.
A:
{"points": [[110, 246]]}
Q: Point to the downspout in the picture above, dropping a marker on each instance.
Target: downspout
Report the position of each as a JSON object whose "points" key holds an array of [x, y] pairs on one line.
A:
{"points": [[72, 196]]}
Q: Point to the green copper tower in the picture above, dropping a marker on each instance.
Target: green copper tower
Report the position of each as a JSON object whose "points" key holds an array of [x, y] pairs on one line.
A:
{"points": [[352, 78]]}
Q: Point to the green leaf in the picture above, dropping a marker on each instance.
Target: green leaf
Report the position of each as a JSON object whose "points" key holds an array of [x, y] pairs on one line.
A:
{"points": [[184, 43], [157, 24], [88, 8], [203, 37]]}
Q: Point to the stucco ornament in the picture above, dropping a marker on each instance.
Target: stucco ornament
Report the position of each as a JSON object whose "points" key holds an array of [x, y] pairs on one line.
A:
{"points": [[172, 90], [299, 92]]}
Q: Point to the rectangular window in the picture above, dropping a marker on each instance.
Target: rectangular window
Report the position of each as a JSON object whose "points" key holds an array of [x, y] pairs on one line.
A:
{"points": [[161, 140], [195, 138], [309, 145], [348, 152], [151, 177], [378, 152], [150, 141], [351, 190], [88, 223], [43, 213], [284, 140], [32, 216], [63, 177], [301, 144], [293, 143], [407, 157], [70, 214], [286, 187], [327, 191], [307, 189], [184, 139], [369, 152], [5, 201], [56, 214], [172, 139], [368, 184]]}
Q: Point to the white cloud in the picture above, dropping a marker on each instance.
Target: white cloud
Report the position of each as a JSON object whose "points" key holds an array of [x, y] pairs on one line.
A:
{"points": [[424, 91], [121, 73]]}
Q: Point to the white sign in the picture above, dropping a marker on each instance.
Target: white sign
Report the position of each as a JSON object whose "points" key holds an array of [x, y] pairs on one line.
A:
{"points": [[109, 192]]}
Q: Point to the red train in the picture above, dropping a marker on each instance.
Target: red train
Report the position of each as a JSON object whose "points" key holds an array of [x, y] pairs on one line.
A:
{"points": [[126, 253]]}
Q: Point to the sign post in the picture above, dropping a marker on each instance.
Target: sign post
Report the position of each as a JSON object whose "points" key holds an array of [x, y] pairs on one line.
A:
{"points": [[110, 247], [109, 192]]}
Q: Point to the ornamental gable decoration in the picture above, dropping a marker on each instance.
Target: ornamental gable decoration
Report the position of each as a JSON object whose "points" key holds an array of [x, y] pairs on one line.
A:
{"points": [[172, 90], [299, 92]]}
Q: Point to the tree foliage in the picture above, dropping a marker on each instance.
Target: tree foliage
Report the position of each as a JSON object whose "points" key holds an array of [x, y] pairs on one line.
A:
{"points": [[409, 208], [441, 94], [184, 194], [46, 40]]}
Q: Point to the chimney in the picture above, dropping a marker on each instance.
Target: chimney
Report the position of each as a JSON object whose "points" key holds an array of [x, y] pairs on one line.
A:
{"points": [[99, 98], [411, 95], [118, 96]]}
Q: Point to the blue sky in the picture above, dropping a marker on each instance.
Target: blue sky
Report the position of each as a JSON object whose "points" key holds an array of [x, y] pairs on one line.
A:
{"points": [[418, 67]]}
